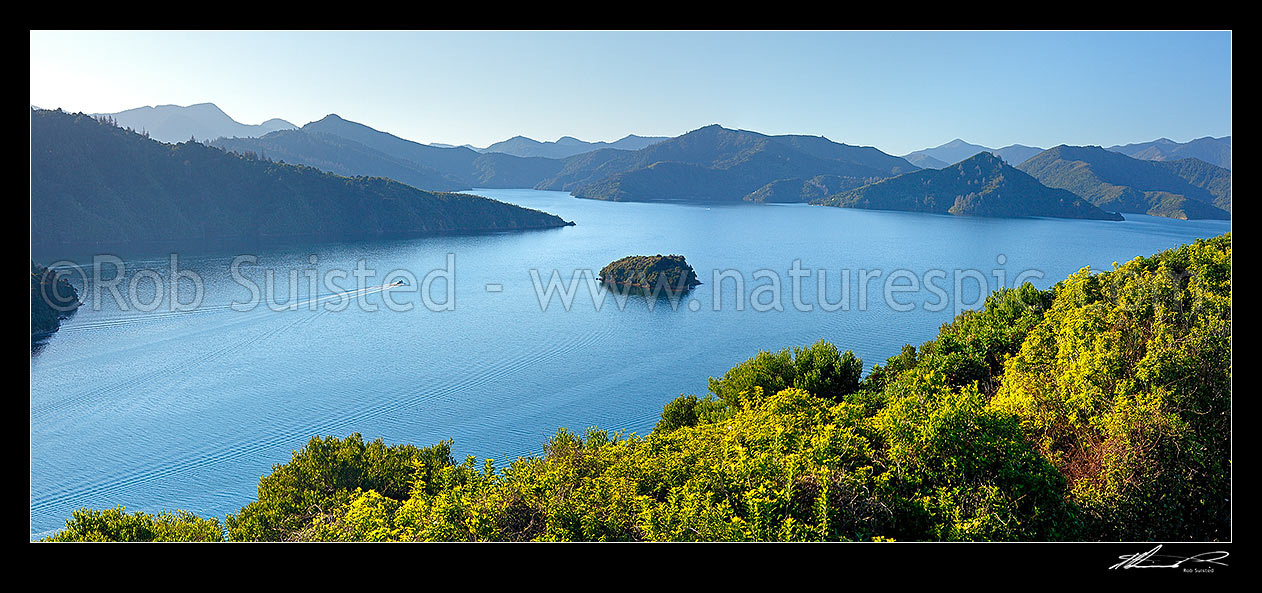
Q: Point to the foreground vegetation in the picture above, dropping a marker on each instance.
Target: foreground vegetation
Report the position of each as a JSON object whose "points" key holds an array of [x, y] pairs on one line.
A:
{"points": [[1096, 410]]}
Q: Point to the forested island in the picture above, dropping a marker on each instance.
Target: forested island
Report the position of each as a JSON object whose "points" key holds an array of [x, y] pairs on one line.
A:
{"points": [[650, 274], [1096, 410], [96, 185]]}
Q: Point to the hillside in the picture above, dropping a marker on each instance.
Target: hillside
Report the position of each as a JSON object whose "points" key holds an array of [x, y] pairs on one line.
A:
{"points": [[1215, 151], [979, 186], [1067, 414], [53, 298], [567, 146], [940, 157], [1016, 154], [804, 190], [204, 121], [925, 161], [1187, 189], [94, 184], [341, 156], [716, 164], [348, 148]]}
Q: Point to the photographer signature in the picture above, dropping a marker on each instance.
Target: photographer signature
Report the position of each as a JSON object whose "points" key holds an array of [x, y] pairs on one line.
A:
{"points": [[1151, 559]]}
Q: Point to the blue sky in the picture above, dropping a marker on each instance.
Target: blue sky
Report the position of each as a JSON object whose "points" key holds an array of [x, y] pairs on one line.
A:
{"points": [[897, 91]]}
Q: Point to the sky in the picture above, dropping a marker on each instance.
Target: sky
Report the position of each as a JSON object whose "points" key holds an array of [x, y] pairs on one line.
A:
{"points": [[899, 91]]}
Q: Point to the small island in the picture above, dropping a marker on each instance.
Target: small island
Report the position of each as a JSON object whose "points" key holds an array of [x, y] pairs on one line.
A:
{"points": [[655, 274]]}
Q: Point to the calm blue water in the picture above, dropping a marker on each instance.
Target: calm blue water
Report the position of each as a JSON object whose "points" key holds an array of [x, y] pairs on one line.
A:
{"points": [[187, 409]]}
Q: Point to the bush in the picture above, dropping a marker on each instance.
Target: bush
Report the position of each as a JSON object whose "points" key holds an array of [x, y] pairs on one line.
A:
{"points": [[116, 525]]}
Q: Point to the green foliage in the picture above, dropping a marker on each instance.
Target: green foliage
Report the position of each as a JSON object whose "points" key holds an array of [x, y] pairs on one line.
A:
{"points": [[818, 369], [657, 273], [117, 525], [1125, 386], [680, 412], [688, 410], [962, 471], [325, 475], [974, 346]]}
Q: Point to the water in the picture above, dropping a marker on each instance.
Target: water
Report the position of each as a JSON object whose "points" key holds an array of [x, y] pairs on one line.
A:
{"points": [[187, 409]]}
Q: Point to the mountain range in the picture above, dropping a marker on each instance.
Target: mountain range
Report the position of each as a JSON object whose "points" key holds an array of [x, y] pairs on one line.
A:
{"points": [[1215, 151], [940, 157], [708, 164], [717, 164], [204, 121], [95, 184], [1186, 188], [350, 148], [982, 185], [567, 146]]}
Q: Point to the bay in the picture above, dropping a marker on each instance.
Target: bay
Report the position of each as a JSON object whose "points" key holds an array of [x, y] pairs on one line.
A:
{"points": [[186, 409]]}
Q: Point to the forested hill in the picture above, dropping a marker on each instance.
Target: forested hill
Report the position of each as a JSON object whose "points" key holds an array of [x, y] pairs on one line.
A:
{"points": [[566, 146], [350, 148], [714, 164], [979, 186], [95, 184], [1215, 151], [340, 156], [1184, 188], [52, 299]]}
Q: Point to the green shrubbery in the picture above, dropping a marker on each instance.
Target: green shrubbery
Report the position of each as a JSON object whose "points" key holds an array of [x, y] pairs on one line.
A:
{"points": [[1096, 410], [117, 525]]}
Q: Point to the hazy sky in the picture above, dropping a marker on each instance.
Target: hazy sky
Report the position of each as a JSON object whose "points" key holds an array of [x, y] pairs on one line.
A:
{"points": [[897, 91]]}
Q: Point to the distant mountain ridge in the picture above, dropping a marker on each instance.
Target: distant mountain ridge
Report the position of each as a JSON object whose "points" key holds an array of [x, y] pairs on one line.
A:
{"points": [[1185, 188], [714, 163], [204, 121], [982, 185], [95, 184], [957, 150], [1215, 151], [351, 148], [341, 156], [567, 146]]}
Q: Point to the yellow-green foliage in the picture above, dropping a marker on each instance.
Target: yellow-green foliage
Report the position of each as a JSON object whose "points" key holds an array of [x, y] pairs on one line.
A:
{"points": [[790, 468], [117, 525], [1125, 385], [327, 474]]}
